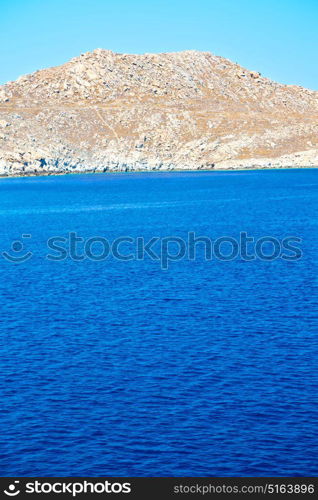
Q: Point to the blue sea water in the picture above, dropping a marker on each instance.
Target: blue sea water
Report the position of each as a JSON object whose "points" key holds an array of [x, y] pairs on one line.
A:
{"points": [[120, 368]]}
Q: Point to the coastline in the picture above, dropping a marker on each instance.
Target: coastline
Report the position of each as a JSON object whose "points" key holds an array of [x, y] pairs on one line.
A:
{"points": [[46, 173], [77, 162]]}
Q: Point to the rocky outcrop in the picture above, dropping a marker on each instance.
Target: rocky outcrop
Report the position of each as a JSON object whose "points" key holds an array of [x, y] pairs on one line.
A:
{"points": [[189, 110]]}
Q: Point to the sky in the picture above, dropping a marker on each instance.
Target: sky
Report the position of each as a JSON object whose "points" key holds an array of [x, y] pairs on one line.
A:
{"points": [[279, 38]]}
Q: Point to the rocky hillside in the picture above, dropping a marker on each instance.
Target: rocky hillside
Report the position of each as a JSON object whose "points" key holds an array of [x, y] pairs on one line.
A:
{"points": [[189, 110]]}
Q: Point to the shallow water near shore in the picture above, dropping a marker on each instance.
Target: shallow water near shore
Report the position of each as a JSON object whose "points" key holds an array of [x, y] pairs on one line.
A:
{"points": [[120, 368]]}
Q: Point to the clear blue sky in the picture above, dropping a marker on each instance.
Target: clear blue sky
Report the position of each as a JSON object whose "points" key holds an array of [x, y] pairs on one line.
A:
{"points": [[279, 38]]}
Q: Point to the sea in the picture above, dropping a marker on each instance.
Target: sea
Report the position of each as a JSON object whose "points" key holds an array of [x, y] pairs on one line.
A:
{"points": [[139, 337]]}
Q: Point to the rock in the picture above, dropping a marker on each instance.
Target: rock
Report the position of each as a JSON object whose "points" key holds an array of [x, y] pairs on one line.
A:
{"points": [[4, 95]]}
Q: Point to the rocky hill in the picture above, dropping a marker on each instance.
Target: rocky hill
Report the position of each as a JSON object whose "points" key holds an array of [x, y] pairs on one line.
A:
{"points": [[189, 110]]}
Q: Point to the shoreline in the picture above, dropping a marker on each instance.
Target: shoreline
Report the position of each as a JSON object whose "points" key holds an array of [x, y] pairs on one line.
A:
{"points": [[240, 168]]}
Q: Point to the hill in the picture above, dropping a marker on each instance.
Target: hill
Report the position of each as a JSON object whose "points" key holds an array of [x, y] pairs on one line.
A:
{"points": [[188, 110]]}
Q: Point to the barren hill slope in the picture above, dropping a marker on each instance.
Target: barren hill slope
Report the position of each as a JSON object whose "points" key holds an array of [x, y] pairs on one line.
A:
{"points": [[188, 110]]}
